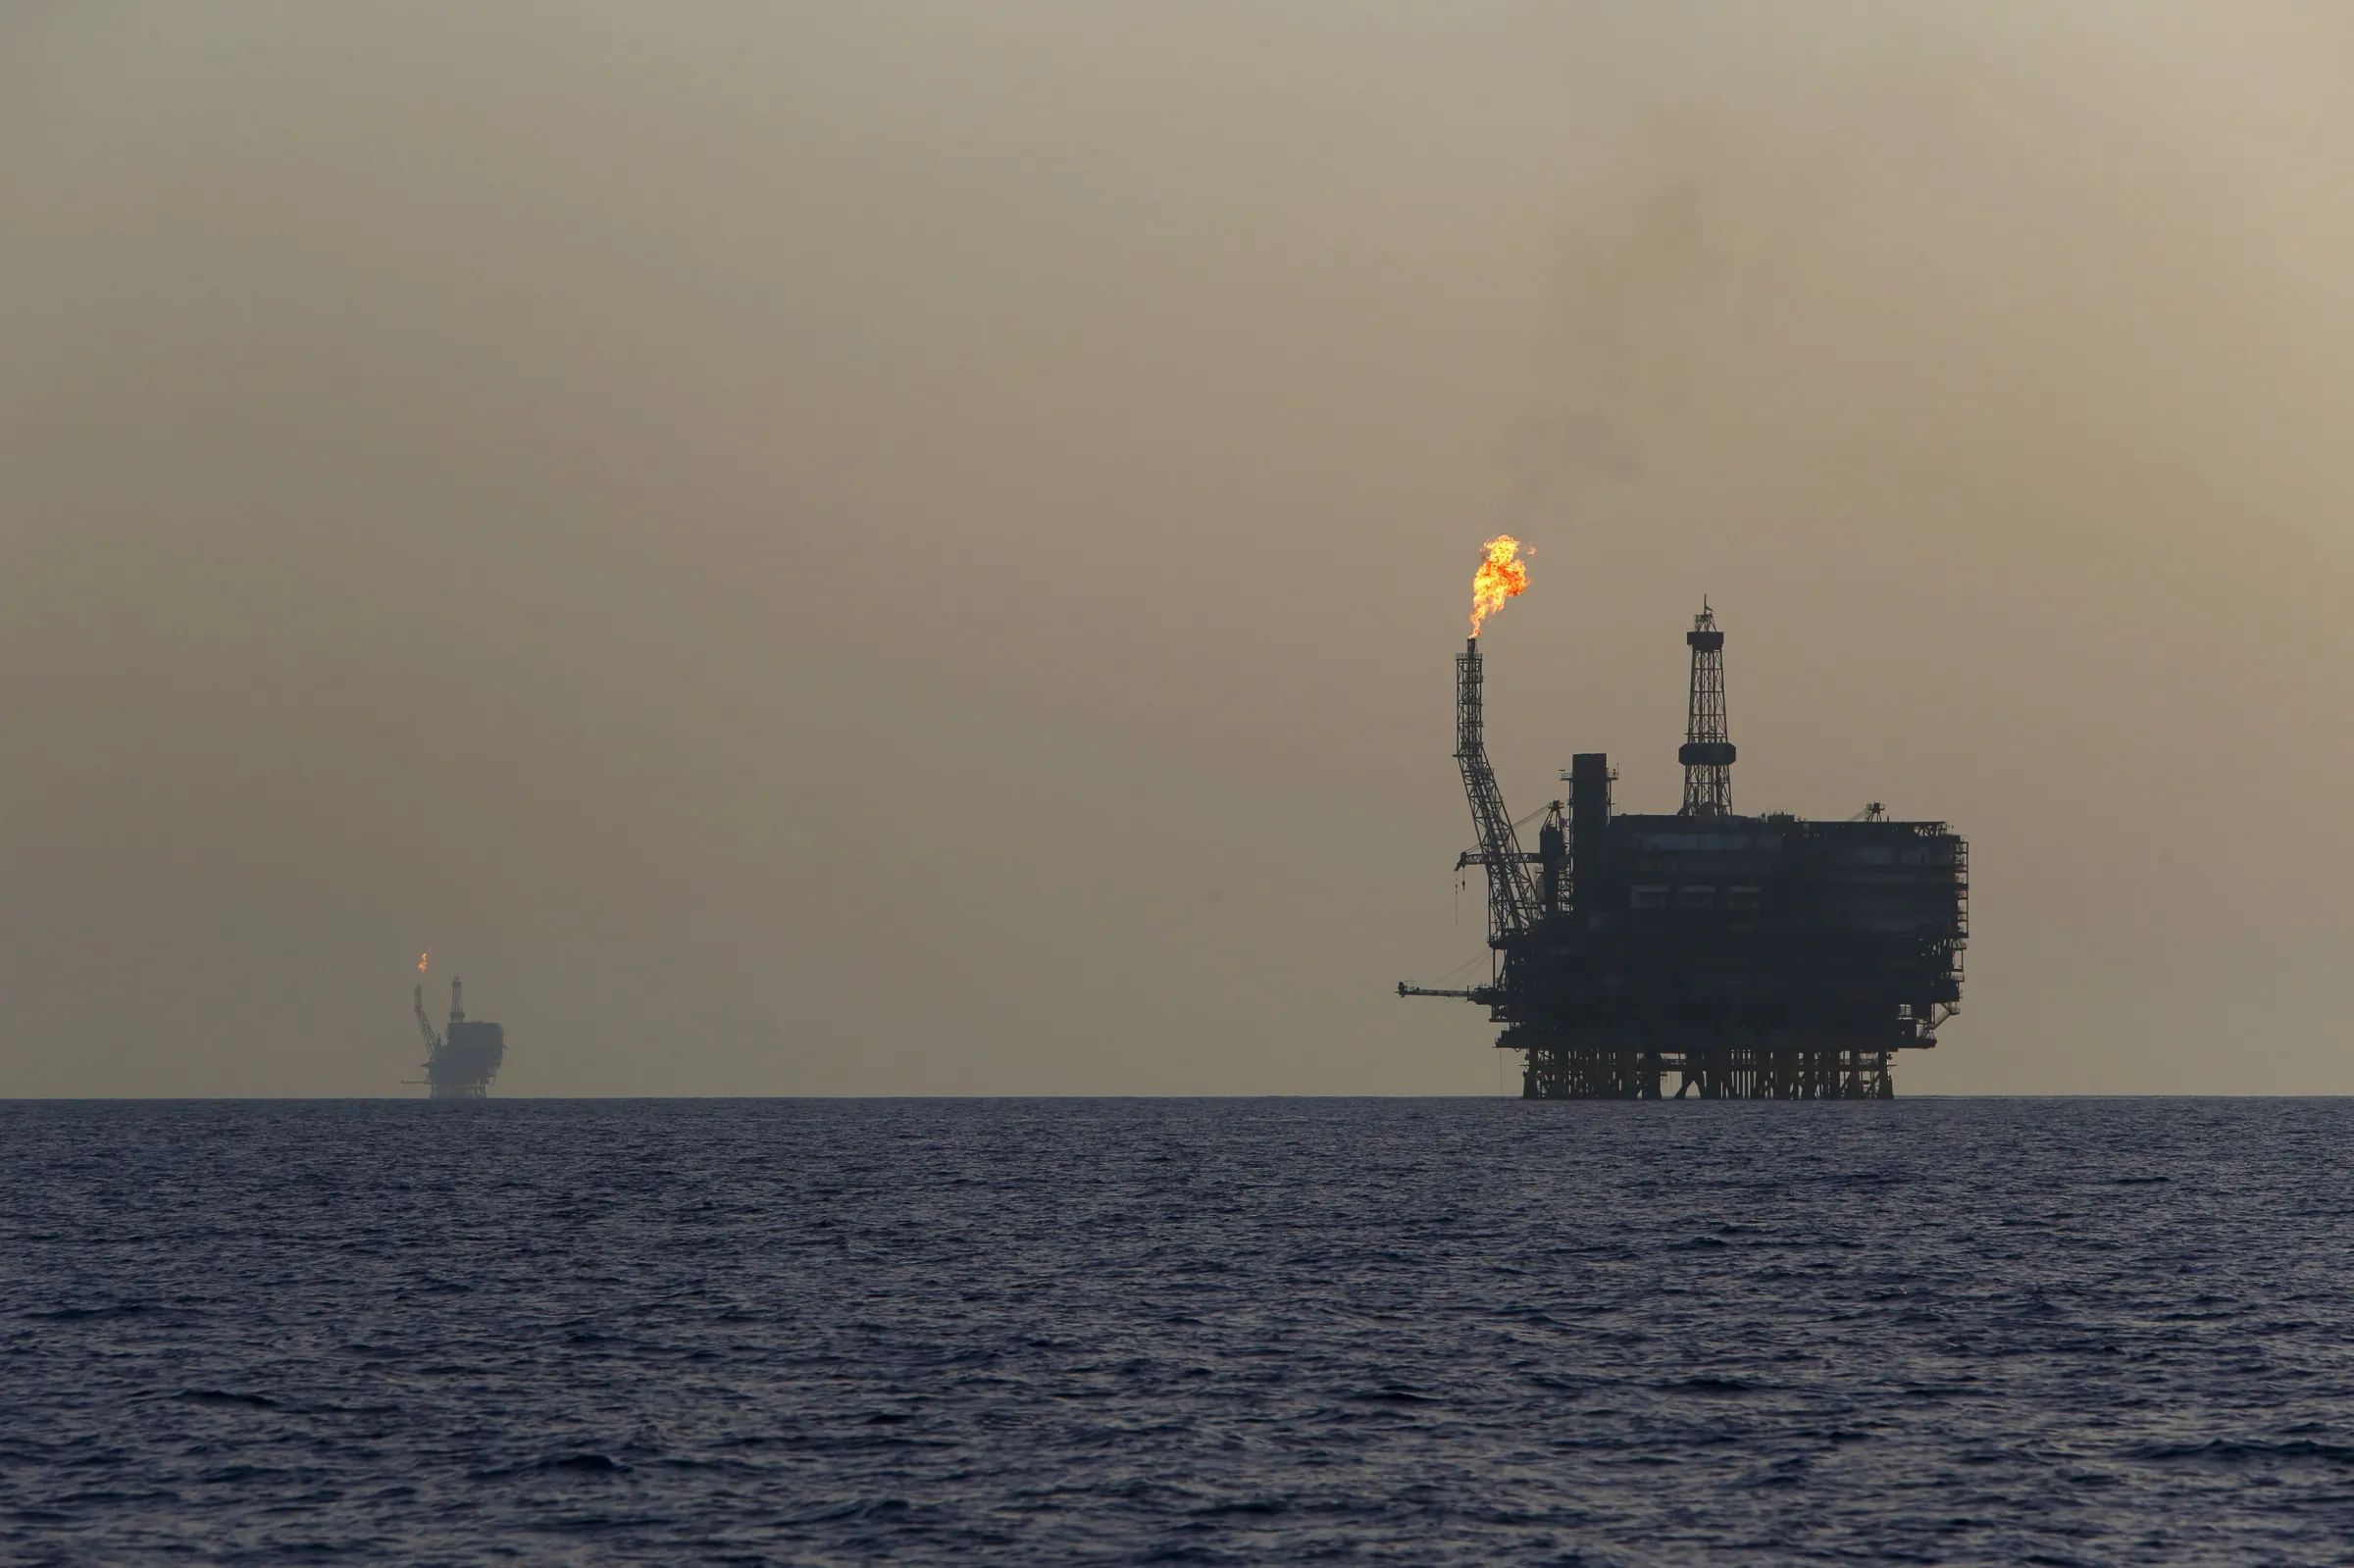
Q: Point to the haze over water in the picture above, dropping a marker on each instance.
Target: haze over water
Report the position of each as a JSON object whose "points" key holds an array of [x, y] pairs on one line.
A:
{"points": [[873, 548], [1252, 1332]]}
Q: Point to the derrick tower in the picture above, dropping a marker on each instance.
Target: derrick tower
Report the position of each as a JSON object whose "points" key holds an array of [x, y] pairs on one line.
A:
{"points": [[1707, 750]]}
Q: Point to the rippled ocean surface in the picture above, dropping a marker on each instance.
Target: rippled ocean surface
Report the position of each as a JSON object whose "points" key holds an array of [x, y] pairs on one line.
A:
{"points": [[1207, 1331]]}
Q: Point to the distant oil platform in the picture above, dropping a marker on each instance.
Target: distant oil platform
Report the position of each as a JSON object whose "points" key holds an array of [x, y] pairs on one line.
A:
{"points": [[459, 1065], [1755, 957]]}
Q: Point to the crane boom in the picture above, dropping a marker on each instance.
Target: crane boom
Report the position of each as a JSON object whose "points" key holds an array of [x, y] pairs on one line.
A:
{"points": [[1513, 905], [424, 1024]]}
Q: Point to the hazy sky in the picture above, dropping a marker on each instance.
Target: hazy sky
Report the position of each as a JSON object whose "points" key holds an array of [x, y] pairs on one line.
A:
{"points": [[905, 547]]}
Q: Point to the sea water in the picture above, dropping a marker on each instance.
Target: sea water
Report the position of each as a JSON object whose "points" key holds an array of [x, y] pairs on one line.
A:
{"points": [[1177, 1331]]}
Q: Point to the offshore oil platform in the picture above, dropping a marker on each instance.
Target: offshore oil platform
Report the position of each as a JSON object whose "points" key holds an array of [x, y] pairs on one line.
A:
{"points": [[459, 1065], [1754, 957]]}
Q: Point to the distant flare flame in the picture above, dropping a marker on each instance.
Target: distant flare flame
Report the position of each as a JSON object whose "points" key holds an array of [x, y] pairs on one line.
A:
{"points": [[420, 958], [1500, 578]]}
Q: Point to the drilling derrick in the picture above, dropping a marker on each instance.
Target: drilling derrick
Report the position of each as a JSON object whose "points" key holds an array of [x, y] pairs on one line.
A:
{"points": [[1708, 749], [1513, 901]]}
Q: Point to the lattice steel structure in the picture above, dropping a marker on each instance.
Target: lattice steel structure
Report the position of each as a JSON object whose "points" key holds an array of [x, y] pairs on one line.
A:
{"points": [[1708, 749], [1513, 900]]}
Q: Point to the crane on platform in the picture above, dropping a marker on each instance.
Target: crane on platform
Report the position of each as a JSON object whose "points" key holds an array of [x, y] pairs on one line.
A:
{"points": [[424, 1024], [1513, 905]]}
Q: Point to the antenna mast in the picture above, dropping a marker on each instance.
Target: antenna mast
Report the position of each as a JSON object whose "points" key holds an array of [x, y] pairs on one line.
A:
{"points": [[1708, 749]]}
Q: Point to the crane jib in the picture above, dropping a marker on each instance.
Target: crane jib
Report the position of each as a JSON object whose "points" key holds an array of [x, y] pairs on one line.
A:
{"points": [[1513, 902]]}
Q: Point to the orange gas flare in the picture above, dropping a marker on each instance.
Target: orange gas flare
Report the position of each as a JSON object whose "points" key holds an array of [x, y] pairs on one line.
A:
{"points": [[420, 958], [1500, 578]]}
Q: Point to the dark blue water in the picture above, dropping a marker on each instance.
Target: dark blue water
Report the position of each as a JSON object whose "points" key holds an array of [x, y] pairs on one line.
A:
{"points": [[1266, 1332]]}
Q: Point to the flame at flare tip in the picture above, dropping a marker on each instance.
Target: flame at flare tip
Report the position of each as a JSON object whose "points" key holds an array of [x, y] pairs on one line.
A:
{"points": [[1500, 578]]}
